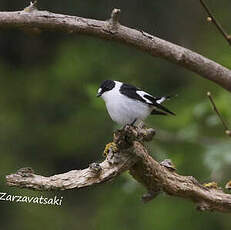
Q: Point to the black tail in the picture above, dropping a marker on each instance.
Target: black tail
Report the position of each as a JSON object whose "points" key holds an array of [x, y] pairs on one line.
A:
{"points": [[164, 111], [156, 112]]}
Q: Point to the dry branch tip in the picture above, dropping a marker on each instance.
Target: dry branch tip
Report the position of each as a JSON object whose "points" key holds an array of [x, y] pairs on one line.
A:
{"points": [[114, 19], [32, 7]]}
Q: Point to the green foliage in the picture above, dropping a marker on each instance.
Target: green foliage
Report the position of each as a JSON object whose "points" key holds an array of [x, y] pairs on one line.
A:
{"points": [[52, 121]]}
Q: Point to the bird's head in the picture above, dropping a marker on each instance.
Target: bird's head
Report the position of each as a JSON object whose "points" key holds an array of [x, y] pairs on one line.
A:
{"points": [[105, 86]]}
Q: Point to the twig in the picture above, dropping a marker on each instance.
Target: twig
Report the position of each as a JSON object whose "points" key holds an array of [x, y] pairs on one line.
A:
{"points": [[227, 131], [32, 7], [114, 20], [212, 18]]}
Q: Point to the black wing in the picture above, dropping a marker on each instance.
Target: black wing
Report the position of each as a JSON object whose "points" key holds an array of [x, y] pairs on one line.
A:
{"points": [[137, 94], [131, 92]]}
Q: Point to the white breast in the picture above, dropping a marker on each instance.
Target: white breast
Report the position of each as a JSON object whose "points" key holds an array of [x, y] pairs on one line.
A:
{"points": [[122, 109]]}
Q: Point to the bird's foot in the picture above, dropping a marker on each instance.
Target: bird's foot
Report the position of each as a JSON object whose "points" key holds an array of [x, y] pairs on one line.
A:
{"points": [[133, 123], [137, 123], [110, 147], [130, 125]]}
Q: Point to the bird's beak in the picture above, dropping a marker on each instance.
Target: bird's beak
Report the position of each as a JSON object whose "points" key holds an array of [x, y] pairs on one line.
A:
{"points": [[98, 94]]}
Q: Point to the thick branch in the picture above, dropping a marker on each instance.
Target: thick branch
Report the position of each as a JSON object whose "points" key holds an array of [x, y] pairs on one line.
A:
{"points": [[127, 152], [120, 157], [154, 175], [111, 30]]}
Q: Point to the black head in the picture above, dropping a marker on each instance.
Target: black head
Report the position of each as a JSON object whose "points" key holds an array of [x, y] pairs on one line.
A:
{"points": [[105, 86]]}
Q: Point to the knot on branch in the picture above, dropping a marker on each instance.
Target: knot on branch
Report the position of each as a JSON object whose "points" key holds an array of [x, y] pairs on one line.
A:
{"points": [[114, 20], [95, 167], [167, 163]]}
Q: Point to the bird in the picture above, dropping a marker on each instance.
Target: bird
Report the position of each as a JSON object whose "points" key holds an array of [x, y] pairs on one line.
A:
{"points": [[129, 105]]}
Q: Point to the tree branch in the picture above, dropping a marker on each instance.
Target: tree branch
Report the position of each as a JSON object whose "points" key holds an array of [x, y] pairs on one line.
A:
{"points": [[127, 152], [112, 30]]}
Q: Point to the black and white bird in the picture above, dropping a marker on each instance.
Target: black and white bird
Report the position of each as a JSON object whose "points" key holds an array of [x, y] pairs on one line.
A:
{"points": [[127, 104]]}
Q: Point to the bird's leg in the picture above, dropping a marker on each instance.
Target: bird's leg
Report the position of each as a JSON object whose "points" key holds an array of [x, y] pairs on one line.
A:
{"points": [[132, 124]]}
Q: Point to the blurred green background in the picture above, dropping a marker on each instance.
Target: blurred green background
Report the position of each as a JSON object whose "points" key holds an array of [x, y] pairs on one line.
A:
{"points": [[51, 120]]}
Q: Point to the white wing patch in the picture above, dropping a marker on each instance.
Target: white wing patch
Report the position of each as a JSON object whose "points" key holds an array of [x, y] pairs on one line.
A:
{"points": [[142, 93], [162, 99]]}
